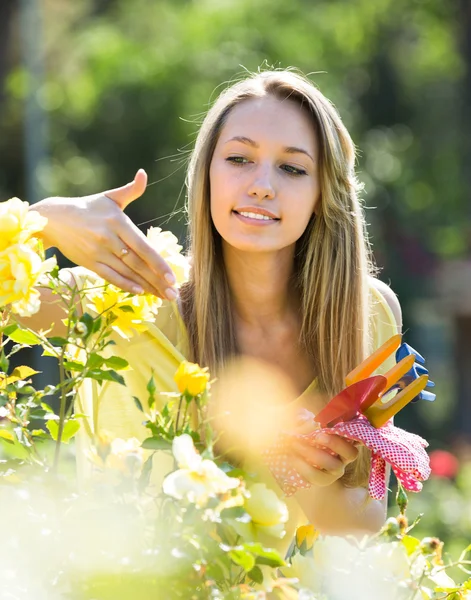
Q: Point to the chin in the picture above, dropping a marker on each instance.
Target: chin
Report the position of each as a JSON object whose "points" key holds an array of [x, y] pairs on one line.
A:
{"points": [[255, 246]]}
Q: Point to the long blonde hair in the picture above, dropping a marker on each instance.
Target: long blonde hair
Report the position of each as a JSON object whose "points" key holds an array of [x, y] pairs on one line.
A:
{"points": [[332, 256]]}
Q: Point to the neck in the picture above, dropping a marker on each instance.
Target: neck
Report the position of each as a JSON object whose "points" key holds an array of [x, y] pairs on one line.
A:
{"points": [[261, 286]]}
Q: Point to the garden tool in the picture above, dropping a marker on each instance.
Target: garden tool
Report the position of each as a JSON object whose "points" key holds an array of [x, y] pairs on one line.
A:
{"points": [[361, 413]]}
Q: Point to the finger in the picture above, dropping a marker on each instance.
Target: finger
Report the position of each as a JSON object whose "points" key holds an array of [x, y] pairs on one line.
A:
{"points": [[125, 194], [115, 278], [318, 458], [128, 263], [136, 241], [339, 445], [136, 277], [305, 422], [313, 474]]}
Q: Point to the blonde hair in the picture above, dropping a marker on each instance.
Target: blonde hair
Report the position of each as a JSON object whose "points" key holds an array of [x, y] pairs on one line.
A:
{"points": [[332, 256]]}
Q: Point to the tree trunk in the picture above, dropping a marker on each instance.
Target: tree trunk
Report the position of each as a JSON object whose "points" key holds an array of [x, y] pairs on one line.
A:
{"points": [[7, 13]]}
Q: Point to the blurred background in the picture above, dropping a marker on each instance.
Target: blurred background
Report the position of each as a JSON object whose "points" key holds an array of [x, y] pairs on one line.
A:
{"points": [[95, 89]]}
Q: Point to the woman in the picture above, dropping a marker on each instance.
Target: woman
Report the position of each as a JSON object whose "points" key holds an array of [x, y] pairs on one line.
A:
{"points": [[281, 272]]}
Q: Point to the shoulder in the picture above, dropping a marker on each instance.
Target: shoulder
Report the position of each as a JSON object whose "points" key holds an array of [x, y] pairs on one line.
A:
{"points": [[390, 297]]}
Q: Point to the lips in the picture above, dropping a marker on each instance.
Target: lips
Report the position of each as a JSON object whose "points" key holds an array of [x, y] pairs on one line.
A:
{"points": [[255, 212]]}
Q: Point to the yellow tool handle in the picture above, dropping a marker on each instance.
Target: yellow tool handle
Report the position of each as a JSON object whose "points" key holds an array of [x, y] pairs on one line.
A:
{"points": [[399, 370], [379, 413], [370, 364]]}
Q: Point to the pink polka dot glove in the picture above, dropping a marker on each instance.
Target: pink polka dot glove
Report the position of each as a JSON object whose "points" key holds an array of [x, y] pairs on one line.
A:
{"points": [[404, 451]]}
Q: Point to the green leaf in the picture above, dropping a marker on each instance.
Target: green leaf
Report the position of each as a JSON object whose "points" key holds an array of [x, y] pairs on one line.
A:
{"points": [[22, 372], [70, 429], [415, 521], [48, 352], [126, 308], [265, 556], [9, 329], [242, 558], [57, 341], [216, 571], [410, 543], [71, 365], [156, 443], [39, 413], [256, 575], [234, 512], [95, 361], [7, 435], [100, 375], [27, 338], [137, 402], [96, 326], [151, 389], [145, 474], [151, 385], [465, 552], [4, 362], [116, 362], [39, 433], [88, 321]]}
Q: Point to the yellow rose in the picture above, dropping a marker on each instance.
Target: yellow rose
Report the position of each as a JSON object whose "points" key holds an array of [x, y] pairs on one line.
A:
{"points": [[17, 224], [307, 534], [166, 244], [191, 378], [20, 271], [131, 312], [267, 512]]}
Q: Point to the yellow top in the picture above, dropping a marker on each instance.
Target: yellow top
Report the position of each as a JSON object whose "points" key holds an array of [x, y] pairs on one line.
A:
{"points": [[158, 352]]}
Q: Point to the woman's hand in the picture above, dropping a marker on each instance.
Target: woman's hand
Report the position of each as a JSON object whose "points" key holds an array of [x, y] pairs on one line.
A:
{"points": [[325, 462], [93, 231]]}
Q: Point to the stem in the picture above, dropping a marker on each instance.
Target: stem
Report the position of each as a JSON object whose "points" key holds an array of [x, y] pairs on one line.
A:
{"points": [[185, 414], [63, 400], [178, 413], [62, 409]]}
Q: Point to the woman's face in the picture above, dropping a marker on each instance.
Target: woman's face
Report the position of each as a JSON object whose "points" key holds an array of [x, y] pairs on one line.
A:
{"points": [[264, 175]]}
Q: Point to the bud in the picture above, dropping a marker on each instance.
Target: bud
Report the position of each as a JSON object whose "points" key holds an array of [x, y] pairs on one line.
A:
{"points": [[391, 527], [103, 444], [401, 498], [403, 523], [430, 545], [80, 329]]}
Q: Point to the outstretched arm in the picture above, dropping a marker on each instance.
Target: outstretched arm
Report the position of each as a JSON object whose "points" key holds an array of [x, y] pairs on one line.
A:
{"points": [[92, 231]]}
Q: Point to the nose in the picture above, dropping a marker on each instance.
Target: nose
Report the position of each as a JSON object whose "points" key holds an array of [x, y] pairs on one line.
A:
{"points": [[262, 185]]}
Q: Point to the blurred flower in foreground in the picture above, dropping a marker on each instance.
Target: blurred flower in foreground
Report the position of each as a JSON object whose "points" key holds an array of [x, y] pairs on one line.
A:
{"points": [[116, 455], [342, 569], [166, 244], [443, 464], [268, 514], [20, 271], [191, 378], [17, 223], [130, 312], [197, 479]]}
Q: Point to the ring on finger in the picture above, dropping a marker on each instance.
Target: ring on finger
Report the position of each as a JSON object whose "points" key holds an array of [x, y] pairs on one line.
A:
{"points": [[124, 251]]}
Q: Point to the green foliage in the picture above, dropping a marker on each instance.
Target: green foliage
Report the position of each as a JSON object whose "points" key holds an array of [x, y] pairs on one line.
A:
{"points": [[127, 87]]}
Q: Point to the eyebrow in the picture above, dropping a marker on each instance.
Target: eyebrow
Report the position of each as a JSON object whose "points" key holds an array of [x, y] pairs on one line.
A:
{"points": [[287, 150]]}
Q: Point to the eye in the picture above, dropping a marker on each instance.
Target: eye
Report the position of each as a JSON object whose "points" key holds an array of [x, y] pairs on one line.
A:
{"points": [[237, 160], [293, 170]]}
